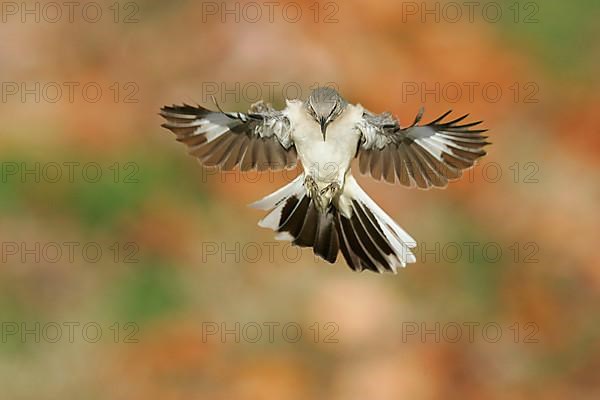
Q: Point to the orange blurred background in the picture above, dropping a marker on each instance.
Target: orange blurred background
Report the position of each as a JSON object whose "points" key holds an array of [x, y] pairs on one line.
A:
{"points": [[171, 291]]}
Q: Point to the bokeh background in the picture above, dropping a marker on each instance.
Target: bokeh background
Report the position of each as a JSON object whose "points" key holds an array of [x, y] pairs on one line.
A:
{"points": [[181, 252]]}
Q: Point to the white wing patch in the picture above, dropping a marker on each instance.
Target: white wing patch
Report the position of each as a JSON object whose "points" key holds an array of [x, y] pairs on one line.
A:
{"points": [[422, 155]]}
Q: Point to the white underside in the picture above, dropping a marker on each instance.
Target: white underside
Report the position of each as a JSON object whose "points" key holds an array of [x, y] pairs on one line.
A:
{"points": [[329, 161], [326, 160]]}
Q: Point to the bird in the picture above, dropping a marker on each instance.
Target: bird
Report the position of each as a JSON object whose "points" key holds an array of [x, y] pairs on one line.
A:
{"points": [[324, 208]]}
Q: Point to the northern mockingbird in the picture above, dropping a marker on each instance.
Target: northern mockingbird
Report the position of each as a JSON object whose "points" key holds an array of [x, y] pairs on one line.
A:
{"points": [[324, 208]]}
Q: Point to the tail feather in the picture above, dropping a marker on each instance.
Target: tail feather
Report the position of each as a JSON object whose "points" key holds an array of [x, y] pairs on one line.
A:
{"points": [[354, 246], [373, 241], [366, 236], [270, 201], [306, 235], [326, 243], [351, 258], [294, 223]]}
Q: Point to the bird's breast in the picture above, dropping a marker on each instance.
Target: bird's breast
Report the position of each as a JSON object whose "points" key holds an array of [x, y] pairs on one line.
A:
{"points": [[326, 160]]}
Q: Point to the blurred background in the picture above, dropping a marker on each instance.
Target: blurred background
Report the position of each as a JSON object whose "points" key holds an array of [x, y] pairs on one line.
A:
{"points": [[130, 272]]}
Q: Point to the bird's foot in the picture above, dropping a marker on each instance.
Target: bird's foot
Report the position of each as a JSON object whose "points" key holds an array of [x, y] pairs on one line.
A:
{"points": [[330, 190], [326, 195], [312, 189]]}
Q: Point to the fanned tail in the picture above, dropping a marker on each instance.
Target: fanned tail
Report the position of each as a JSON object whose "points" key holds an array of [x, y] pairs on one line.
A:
{"points": [[296, 218], [367, 237]]}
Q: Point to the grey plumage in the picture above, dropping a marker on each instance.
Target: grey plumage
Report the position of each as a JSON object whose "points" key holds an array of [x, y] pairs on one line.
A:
{"points": [[253, 141], [325, 104], [419, 155]]}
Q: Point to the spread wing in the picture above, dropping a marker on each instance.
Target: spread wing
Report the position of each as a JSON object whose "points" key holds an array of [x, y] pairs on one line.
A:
{"points": [[422, 155], [259, 139]]}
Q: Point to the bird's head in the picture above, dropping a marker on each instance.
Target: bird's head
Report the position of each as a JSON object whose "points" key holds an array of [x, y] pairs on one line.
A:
{"points": [[324, 105]]}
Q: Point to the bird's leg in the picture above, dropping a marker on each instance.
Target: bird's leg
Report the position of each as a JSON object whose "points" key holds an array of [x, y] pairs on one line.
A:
{"points": [[327, 194], [312, 190], [331, 190], [320, 197]]}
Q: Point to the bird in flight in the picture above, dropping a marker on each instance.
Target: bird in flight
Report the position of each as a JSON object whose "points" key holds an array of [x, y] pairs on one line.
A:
{"points": [[324, 207]]}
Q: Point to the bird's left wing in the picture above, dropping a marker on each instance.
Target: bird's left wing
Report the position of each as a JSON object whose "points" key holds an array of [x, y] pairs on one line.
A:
{"points": [[259, 139], [423, 155]]}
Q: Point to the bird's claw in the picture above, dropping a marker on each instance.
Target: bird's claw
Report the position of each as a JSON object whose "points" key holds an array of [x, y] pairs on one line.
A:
{"points": [[327, 194], [333, 188], [321, 197], [312, 189]]}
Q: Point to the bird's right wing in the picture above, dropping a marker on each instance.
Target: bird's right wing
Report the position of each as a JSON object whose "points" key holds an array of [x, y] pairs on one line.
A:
{"points": [[422, 155], [260, 139]]}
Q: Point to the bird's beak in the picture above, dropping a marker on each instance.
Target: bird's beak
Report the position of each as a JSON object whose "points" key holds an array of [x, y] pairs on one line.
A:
{"points": [[323, 123]]}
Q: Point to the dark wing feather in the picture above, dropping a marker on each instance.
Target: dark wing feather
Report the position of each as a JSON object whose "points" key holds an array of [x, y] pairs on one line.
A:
{"points": [[422, 155], [260, 139]]}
